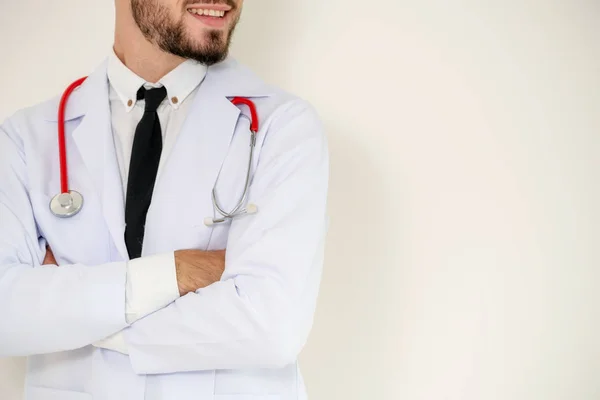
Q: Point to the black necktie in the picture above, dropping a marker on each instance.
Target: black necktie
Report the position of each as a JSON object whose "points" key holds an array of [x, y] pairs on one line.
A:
{"points": [[145, 156]]}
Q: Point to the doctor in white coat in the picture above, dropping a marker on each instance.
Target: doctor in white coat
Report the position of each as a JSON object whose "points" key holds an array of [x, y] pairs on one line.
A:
{"points": [[144, 301]]}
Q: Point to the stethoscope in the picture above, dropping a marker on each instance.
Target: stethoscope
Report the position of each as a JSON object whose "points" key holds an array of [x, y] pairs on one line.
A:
{"points": [[69, 203]]}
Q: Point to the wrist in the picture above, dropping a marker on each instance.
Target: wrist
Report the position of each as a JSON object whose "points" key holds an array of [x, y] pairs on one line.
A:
{"points": [[182, 273]]}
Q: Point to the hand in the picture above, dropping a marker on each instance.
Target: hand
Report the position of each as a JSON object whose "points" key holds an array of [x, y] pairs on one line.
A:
{"points": [[49, 258], [198, 269]]}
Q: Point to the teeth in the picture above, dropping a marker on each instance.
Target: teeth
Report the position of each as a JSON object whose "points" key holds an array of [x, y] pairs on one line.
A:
{"points": [[208, 13]]}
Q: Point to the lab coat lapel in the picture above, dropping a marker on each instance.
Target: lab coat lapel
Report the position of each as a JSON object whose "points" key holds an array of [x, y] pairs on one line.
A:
{"points": [[209, 129], [94, 140], [212, 119], [201, 145]]}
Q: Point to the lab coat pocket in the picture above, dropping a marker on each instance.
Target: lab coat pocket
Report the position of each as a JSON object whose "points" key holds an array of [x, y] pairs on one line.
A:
{"points": [[39, 393]]}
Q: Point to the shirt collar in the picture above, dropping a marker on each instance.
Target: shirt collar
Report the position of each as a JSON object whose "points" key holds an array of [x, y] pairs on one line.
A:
{"points": [[180, 82]]}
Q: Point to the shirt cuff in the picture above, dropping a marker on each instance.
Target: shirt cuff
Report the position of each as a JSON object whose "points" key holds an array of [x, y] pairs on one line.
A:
{"points": [[151, 285], [115, 342]]}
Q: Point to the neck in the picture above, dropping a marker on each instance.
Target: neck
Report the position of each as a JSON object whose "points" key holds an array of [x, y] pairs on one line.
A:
{"points": [[142, 57]]}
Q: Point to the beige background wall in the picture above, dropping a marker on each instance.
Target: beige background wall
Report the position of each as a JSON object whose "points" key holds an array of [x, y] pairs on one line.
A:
{"points": [[463, 257]]}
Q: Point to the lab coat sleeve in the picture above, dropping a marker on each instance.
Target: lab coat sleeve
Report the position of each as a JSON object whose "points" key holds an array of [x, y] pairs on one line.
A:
{"points": [[259, 315], [46, 309]]}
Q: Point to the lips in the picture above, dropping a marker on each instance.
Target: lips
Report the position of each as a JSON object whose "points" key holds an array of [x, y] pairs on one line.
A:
{"points": [[213, 15], [215, 19]]}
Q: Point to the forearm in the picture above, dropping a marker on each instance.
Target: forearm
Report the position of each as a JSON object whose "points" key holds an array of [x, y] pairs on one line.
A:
{"points": [[220, 327], [155, 282], [197, 269], [49, 309]]}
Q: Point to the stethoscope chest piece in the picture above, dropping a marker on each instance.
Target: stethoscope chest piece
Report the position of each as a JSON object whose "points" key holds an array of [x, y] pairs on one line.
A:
{"points": [[66, 205]]}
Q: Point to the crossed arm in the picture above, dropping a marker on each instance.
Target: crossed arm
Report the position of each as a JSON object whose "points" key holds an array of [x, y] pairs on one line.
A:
{"points": [[256, 314], [195, 269]]}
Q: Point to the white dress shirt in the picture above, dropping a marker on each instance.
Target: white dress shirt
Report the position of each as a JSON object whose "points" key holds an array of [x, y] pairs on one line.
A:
{"points": [[151, 281]]}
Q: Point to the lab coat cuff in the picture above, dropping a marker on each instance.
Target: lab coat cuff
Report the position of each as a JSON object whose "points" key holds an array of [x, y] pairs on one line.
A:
{"points": [[115, 342], [151, 285]]}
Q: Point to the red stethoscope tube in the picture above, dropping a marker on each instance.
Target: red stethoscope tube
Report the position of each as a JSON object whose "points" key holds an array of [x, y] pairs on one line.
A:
{"points": [[253, 114], [62, 145]]}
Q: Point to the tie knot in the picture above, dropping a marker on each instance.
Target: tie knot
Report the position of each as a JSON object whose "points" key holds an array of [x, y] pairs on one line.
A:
{"points": [[153, 97]]}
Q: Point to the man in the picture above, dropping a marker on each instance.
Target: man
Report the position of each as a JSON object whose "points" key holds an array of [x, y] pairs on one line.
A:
{"points": [[135, 297]]}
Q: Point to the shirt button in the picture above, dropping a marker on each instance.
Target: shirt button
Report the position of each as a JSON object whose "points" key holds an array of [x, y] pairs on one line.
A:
{"points": [[175, 100], [130, 103]]}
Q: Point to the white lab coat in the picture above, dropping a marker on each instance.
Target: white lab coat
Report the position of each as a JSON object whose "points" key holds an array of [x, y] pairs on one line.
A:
{"points": [[235, 340]]}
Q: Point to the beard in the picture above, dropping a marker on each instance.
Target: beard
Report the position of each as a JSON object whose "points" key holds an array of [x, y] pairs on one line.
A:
{"points": [[169, 35]]}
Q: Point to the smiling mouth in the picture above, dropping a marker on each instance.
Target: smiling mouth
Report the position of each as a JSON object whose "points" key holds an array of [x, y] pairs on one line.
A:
{"points": [[207, 12]]}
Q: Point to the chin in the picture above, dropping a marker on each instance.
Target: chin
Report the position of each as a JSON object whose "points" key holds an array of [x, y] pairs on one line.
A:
{"points": [[203, 36]]}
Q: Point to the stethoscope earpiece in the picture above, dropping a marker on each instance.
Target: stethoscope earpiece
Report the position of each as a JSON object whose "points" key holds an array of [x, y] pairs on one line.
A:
{"points": [[251, 209]]}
